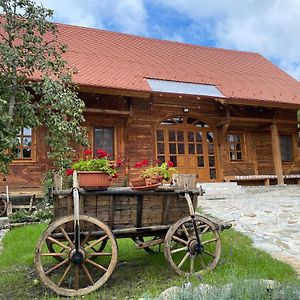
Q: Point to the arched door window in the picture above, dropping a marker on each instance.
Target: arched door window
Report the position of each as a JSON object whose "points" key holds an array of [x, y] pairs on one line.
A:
{"points": [[190, 144]]}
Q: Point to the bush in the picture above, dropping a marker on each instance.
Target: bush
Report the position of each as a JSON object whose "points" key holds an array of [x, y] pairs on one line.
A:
{"points": [[246, 290], [43, 212]]}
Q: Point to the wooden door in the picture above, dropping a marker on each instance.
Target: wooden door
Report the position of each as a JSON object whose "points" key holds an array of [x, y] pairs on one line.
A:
{"points": [[190, 145]]}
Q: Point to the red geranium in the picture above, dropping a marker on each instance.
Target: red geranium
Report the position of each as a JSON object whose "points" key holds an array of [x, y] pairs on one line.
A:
{"points": [[69, 172], [101, 153], [115, 176], [142, 163], [170, 164], [119, 162], [87, 152]]}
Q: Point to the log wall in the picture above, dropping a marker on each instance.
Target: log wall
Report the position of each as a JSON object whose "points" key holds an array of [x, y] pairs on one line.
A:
{"points": [[135, 120]]}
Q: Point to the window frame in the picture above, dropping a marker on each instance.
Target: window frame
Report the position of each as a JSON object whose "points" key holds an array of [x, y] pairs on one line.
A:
{"points": [[242, 144], [291, 147], [32, 159], [113, 139]]}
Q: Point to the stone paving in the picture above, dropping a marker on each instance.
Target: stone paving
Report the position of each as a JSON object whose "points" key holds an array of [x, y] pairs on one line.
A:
{"points": [[269, 215]]}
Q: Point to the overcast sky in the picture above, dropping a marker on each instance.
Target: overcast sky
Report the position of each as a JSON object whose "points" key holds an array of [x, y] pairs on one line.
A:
{"points": [[270, 27]]}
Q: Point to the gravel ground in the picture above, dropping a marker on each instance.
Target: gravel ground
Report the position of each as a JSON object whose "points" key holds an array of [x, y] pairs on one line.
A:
{"points": [[269, 215]]}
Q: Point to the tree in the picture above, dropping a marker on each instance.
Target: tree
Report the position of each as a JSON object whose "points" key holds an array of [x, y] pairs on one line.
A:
{"points": [[36, 85]]}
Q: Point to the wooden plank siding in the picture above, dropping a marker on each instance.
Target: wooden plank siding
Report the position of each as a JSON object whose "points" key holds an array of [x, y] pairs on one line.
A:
{"points": [[135, 128]]}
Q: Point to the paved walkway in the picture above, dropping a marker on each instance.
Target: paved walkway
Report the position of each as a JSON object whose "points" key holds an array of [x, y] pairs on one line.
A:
{"points": [[270, 216]]}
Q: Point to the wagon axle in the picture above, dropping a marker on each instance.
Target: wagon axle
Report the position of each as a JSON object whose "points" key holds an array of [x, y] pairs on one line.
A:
{"points": [[77, 257], [195, 248]]}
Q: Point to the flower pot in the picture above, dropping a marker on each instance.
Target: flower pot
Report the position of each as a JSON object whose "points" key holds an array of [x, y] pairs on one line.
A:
{"points": [[154, 180], [93, 180], [138, 181]]}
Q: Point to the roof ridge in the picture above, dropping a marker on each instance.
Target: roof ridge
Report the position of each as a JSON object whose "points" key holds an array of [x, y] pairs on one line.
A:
{"points": [[157, 39]]}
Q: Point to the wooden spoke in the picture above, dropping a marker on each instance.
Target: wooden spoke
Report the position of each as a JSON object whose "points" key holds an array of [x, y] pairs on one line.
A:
{"points": [[183, 260], [64, 275], [179, 249], [3, 207], [70, 279], [58, 243], [76, 277], [99, 254], [55, 254], [86, 238], [185, 231], [208, 241], [57, 266], [174, 246], [192, 269], [176, 238], [202, 262], [87, 243], [66, 236], [204, 231], [95, 243], [96, 265], [210, 254], [88, 275]]}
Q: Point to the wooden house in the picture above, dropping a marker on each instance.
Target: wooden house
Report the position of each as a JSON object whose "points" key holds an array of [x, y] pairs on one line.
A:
{"points": [[220, 114]]}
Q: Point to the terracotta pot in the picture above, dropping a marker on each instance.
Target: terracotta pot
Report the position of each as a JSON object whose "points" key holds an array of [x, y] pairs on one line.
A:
{"points": [[94, 180], [138, 181], [154, 180]]}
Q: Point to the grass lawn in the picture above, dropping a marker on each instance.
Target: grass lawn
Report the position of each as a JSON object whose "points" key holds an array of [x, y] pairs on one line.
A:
{"points": [[138, 273]]}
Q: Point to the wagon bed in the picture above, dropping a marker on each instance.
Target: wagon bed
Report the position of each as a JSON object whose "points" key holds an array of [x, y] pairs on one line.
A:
{"points": [[128, 212]]}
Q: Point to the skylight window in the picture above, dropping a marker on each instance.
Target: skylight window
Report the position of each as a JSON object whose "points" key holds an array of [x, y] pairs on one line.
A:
{"points": [[176, 87]]}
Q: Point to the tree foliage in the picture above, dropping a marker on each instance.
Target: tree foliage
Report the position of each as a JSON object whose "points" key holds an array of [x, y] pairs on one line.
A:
{"points": [[36, 85]]}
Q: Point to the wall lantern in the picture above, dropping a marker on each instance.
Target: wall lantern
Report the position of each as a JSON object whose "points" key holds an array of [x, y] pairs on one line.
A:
{"points": [[185, 110]]}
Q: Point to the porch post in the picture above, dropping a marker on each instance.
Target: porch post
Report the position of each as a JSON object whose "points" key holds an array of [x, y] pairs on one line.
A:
{"points": [[277, 154]]}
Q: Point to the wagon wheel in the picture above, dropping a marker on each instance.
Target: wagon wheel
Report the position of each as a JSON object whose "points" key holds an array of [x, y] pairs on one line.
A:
{"points": [[78, 272], [184, 253], [52, 247], [3, 207], [158, 248]]}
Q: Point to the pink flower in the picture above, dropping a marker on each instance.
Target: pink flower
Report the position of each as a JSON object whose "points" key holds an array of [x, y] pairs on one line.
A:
{"points": [[87, 152], [170, 164], [69, 172]]}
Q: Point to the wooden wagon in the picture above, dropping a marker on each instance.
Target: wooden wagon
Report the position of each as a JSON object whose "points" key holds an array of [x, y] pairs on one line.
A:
{"points": [[77, 253]]}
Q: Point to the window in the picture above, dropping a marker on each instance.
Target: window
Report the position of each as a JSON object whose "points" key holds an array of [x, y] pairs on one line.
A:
{"points": [[286, 148], [235, 141], [104, 139], [24, 148]]}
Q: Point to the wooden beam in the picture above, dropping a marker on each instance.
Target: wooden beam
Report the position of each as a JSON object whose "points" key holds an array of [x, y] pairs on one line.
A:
{"points": [[261, 120], [277, 154], [222, 134], [113, 91], [262, 103], [221, 124], [107, 111]]}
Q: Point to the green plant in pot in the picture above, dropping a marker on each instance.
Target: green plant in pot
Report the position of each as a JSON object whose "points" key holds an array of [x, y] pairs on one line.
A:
{"points": [[158, 173], [96, 173]]}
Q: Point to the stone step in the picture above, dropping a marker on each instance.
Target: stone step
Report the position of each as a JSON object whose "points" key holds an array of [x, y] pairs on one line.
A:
{"points": [[220, 190]]}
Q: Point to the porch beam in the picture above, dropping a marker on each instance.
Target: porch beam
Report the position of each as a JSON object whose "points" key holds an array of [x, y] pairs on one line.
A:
{"points": [[106, 111], [277, 154]]}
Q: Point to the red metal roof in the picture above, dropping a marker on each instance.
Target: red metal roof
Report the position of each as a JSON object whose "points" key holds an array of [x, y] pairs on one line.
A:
{"points": [[120, 61]]}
